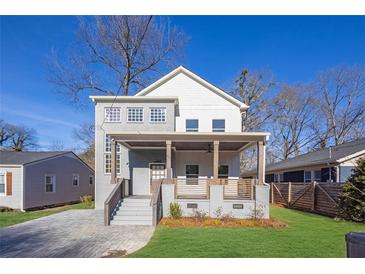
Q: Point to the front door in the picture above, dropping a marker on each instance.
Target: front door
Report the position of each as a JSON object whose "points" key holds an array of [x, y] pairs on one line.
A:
{"points": [[157, 172]]}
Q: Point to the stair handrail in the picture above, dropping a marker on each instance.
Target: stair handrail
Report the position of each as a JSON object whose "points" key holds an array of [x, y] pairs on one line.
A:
{"points": [[113, 199], [156, 202]]}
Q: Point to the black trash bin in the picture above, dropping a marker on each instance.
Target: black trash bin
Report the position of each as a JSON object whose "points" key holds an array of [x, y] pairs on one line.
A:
{"points": [[355, 245]]}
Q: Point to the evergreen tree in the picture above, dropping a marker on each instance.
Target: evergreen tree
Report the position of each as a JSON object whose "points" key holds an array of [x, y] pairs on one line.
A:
{"points": [[352, 200]]}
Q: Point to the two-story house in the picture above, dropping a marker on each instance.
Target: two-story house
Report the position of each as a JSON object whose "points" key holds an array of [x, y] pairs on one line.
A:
{"points": [[178, 140]]}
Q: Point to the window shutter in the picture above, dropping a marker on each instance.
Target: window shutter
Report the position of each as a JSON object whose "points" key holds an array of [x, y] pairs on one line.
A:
{"points": [[9, 183]]}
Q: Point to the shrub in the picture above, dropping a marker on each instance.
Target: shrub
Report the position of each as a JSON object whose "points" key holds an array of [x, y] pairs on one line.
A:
{"points": [[175, 210], [200, 215], [218, 212], [352, 200], [227, 217], [257, 212], [87, 200]]}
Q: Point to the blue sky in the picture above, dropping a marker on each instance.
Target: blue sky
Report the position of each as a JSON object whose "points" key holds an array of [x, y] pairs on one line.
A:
{"points": [[294, 48]]}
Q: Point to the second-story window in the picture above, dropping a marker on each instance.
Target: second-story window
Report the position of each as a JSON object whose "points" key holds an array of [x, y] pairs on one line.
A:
{"points": [[135, 114], [192, 125], [218, 125], [158, 115], [112, 114]]}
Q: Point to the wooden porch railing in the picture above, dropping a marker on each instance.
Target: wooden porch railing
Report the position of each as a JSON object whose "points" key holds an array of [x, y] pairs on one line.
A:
{"points": [[113, 199], [156, 202], [199, 188]]}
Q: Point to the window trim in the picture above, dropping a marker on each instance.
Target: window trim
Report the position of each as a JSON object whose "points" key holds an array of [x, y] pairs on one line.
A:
{"points": [[135, 122], [78, 179], [224, 129], [54, 182], [120, 114], [189, 119], [158, 122], [4, 173]]}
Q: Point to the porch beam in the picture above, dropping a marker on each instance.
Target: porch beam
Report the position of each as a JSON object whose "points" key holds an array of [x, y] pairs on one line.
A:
{"points": [[113, 161], [168, 161], [261, 155], [215, 160]]}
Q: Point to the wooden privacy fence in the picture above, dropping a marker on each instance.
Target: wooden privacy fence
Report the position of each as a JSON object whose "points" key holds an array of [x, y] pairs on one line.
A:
{"points": [[315, 197]]}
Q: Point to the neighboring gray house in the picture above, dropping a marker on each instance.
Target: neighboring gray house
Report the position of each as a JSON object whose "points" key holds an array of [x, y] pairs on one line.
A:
{"points": [[332, 164], [37, 179], [178, 140]]}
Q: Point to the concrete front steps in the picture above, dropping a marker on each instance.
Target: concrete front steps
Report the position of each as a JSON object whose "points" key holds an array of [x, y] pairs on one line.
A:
{"points": [[134, 210]]}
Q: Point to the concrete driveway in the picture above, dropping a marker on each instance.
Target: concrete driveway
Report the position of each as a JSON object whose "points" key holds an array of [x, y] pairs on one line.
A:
{"points": [[71, 234]]}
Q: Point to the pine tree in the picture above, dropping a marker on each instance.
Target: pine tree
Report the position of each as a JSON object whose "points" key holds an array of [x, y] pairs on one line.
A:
{"points": [[352, 200]]}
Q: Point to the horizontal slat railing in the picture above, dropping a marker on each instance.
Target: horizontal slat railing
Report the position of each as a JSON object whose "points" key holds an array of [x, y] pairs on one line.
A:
{"points": [[191, 188], [240, 189]]}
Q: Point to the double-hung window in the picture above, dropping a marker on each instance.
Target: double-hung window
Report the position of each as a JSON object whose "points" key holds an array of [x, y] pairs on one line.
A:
{"points": [[112, 115], [157, 115], [108, 155], [218, 125], [75, 179], [50, 183], [223, 172], [192, 174], [135, 114], [91, 179], [2, 183], [192, 125], [317, 175], [307, 176]]}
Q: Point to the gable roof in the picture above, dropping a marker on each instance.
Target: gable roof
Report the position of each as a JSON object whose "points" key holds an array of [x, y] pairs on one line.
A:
{"points": [[26, 157], [336, 154], [196, 78]]}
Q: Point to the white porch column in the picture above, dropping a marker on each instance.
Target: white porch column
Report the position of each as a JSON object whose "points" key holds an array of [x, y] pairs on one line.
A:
{"points": [[168, 162], [215, 160], [261, 155], [113, 161]]}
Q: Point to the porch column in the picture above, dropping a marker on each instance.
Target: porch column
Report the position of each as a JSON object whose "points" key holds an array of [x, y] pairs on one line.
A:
{"points": [[113, 161], [168, 162], [215, 160], [261, 155]]}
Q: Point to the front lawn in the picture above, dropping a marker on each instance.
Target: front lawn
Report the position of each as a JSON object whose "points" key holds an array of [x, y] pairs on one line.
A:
{"points": [[307, 235], [16, 217]]}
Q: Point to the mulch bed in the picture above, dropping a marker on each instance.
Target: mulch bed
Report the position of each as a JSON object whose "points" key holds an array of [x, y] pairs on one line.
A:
{"points": [[221, 222]]}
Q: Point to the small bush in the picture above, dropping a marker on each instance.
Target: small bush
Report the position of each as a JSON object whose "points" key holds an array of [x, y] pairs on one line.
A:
{"points": [[218, 212], [175, 210], [258, 212], [87, 200], [6, 209], [227, 217], [200, 215]]}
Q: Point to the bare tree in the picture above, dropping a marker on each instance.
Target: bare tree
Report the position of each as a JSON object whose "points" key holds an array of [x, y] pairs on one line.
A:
{"points": [[291, 117], [251, 89], [85, 134], [5, 133], [341, 93], [116, 54], [22, 138], [57, 145]]}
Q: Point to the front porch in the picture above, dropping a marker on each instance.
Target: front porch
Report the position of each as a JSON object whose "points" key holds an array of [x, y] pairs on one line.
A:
{"points": [[200, 171]]}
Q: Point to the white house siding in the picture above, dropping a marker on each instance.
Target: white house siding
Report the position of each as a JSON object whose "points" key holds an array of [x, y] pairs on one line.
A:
{"points": [[198, 102], [63, 167], [15, 200], [205, 162]]}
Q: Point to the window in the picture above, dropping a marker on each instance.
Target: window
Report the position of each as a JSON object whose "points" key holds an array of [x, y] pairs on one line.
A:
{"points": [[112, 114], [91, 179], [219, 125], [276, 177], [2, 183], [108, 163], [317, 175], [192, 125], [281, 177], [223, 172], [192, 171], [158, 115], [307, 176], [135, 114], [75, 179], [50, 182]]}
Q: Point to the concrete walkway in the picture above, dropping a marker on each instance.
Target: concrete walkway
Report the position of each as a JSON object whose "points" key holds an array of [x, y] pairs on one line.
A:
{"points": [[71, 234]]}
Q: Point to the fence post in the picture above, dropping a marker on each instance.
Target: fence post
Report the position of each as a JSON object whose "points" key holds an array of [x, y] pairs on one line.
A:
{"points": [[289, 193], [314, 196], [272, 193]]}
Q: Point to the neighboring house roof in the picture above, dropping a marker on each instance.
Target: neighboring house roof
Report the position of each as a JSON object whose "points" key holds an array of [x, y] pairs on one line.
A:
{"points": [[336, 154], [198, 79], [27, 157]]}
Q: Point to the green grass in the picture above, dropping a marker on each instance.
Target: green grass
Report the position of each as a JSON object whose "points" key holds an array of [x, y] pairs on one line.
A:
{"points": [[307, 235], [16, 217]]}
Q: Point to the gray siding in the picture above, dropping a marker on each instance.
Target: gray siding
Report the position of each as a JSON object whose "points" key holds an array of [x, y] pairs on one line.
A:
{"points": [[63, 167]]}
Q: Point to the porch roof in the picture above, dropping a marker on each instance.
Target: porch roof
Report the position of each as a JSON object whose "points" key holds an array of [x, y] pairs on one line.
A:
{"points": [[228, 141]]}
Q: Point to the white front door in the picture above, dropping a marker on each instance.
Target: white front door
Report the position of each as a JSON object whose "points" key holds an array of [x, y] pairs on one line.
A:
{"points": [[157, 172]]}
